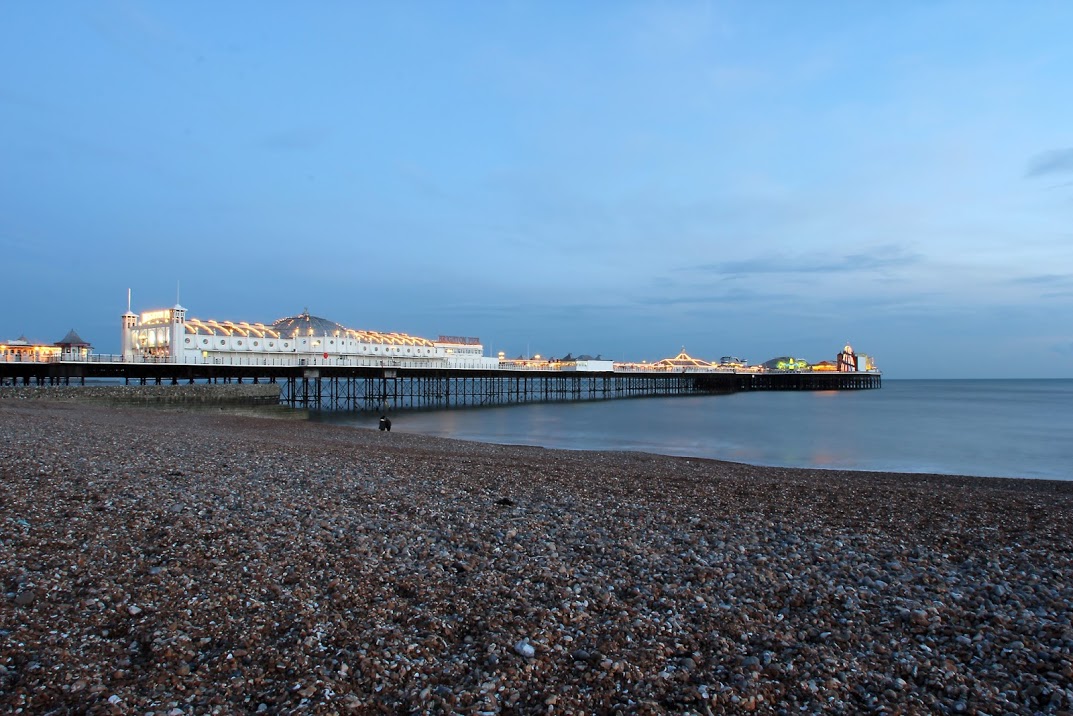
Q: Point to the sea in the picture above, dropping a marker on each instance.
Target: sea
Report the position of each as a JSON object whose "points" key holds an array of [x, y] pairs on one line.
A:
{"points": [[997, 428]]}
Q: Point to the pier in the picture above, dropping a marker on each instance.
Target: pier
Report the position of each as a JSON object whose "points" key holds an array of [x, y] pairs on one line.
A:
{"points": [[367, 388], [322, 365]]}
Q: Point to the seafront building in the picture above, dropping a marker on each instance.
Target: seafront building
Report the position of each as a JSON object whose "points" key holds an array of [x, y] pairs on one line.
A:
{"points": [[21, 350], [170, 335]]}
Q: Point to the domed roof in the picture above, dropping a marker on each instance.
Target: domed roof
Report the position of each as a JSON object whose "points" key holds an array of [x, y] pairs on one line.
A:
{"points": [[307, 325]]}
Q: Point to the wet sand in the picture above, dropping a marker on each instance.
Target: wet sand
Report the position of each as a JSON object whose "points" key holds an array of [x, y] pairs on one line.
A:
{"points": [[166, 562]]}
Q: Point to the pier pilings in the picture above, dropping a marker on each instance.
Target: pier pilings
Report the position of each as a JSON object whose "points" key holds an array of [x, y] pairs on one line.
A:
{"points": [[399, 390]]}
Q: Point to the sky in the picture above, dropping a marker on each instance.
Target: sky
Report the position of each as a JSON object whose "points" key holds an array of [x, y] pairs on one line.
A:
{"points": [[626, 179]]}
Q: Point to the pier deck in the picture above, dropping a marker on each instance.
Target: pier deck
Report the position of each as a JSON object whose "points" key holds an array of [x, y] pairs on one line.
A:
{"points": [[361, 388]]}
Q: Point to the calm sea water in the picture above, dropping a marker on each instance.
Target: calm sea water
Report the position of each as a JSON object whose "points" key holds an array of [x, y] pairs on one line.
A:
{"points": [[1003, 428]]}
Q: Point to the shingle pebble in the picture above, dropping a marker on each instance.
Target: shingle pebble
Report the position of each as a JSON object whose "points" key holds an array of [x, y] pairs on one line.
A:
{"points": [[169, 562]]}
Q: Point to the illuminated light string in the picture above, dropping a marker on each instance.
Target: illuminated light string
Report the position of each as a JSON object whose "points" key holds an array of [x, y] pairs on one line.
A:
{"points": [[683, 359], [212, 327]]}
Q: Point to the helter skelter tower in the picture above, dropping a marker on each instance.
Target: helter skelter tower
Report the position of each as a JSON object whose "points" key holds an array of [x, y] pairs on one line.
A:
{"points": [[847, 360]]}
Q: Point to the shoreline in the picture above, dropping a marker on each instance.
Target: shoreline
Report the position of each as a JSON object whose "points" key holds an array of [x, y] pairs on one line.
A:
{"points": [[994, 481], [400, 428], [175, 561], [258, 400]]}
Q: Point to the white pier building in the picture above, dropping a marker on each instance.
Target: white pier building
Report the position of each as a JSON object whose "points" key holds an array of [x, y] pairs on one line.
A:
{"points": [[169, 335]]}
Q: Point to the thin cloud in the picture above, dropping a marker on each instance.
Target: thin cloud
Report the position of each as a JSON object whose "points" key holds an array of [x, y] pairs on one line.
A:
{"points": [[1056, 161], [1049, 279], [735, 298], [877, 260], [531, 311]]}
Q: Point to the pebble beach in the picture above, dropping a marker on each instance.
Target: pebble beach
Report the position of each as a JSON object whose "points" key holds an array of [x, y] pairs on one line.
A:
{"points": [[169, 561]]}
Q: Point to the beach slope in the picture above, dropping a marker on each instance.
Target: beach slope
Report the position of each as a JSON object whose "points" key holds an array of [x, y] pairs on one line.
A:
{"points": [[163, 561]]}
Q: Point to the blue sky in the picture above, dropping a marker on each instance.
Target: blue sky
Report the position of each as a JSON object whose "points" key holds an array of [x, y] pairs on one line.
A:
{"points": [[755, 179]]}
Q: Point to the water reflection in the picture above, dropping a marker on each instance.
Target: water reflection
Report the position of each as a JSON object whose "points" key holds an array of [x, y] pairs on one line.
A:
{"points": [[1003, 428]]}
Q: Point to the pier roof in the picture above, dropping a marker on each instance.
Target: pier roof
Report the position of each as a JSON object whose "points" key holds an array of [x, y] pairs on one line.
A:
{"points": [[683, 360], [72, 339], [304, 324], [229, 328]]}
